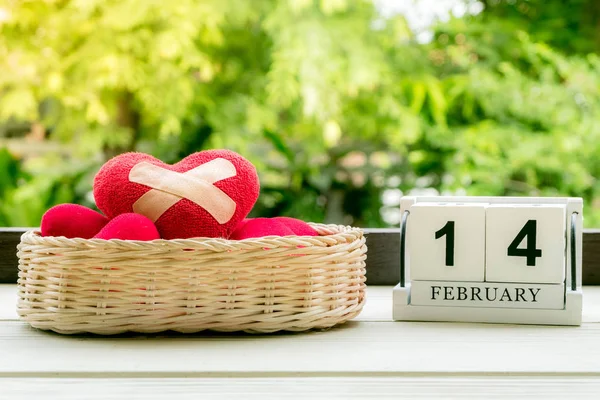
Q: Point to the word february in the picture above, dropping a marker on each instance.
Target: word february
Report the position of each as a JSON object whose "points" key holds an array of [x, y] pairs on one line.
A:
{"points": [[490, 294], [487, 294]]}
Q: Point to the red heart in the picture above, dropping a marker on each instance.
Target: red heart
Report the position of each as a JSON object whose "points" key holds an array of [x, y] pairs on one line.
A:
{"points": [[115, 192]]}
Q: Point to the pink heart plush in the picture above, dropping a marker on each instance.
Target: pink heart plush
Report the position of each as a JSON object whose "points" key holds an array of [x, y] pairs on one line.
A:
{"points": [[205, 195], [260, 227], [278, 226], [129, 226], [297, 226], [72, 221]]}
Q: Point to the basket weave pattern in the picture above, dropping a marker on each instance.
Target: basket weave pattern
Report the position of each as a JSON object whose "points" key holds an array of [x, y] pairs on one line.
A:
{"points": [[189, 285]]}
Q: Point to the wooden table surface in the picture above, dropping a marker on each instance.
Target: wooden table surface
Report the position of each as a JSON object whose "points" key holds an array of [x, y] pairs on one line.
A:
{"points": [[370, 357]]}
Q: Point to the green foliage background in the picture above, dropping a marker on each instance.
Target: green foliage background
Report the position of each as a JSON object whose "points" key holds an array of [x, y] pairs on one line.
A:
{"points": [[340, 108]]}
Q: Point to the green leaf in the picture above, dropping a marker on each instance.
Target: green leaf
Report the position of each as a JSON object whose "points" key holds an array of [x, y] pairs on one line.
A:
{"points": [[437, 101], [280, 145]]}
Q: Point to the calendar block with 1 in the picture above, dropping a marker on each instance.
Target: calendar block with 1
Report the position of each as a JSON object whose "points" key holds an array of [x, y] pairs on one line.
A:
{"points": [[447, 242]]}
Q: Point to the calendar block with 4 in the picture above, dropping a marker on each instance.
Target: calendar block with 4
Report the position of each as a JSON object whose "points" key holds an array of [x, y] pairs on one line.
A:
{"points": [[490, 259], [525, 243]]}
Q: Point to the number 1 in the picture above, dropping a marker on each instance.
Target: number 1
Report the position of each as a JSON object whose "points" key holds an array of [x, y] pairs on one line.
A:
{"points": [[448, 231]]}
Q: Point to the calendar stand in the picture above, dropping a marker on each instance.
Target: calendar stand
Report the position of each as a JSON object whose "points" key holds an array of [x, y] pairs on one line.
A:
{"points": [[570, 314]]}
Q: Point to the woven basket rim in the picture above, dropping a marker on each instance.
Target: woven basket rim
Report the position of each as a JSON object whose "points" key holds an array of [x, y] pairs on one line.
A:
{"points": [[329, 235]]}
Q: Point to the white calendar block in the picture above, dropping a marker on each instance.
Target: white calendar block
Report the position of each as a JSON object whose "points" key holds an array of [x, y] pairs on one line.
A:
{"points": [[446, 241], [490, 259], [525, 243]]}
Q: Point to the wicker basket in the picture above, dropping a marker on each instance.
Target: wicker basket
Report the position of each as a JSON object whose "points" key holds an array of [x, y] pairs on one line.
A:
{"points": [[254, 285]]}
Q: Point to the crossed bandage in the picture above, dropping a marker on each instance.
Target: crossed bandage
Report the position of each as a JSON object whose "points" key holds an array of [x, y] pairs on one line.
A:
{"points": [[196, 185]]}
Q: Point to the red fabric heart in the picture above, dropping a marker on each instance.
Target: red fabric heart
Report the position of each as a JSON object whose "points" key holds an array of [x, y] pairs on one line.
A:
{"points": [[115, 192], [72, 221]]}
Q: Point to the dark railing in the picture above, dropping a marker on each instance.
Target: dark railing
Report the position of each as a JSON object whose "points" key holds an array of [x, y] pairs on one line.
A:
{"points": [[383, 257]]}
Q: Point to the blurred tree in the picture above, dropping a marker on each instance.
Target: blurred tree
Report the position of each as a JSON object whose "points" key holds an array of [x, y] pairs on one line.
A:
{"points": [[340, 108], [569, 26], [522, 113]]}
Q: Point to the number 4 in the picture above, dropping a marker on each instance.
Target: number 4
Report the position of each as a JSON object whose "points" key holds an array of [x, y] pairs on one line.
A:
{"points": [[528, 231]]}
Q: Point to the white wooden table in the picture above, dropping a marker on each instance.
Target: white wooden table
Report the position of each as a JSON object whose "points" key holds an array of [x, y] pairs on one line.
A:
{"points": [[370, 357]]}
